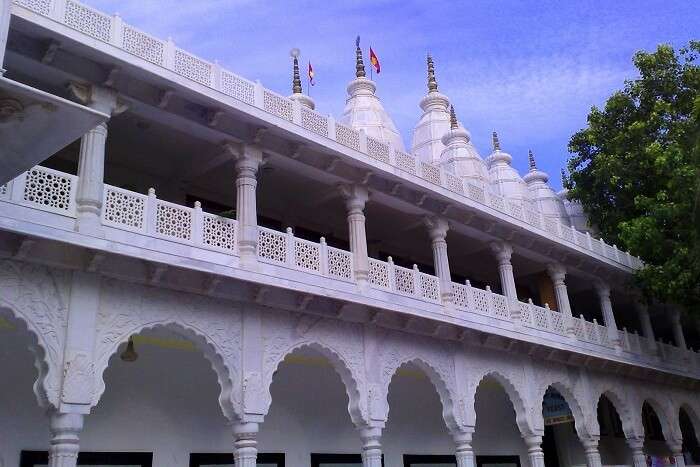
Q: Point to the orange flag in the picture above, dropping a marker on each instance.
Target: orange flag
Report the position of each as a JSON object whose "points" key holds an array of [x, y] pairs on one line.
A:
{"points": [[374, 60], [311, 74]]}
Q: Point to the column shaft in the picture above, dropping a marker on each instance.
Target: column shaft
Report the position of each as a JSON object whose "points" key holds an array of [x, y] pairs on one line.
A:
{"points": [[437, 229], [246, 203], [371, 447], [91, 167], [637, 448], [245, 445], [534, 451], [64, 445], [463, 450], [645, 322], [590, 448], [557, 273], [356, 197], [608, 315], [503, 252], [678, 336]]}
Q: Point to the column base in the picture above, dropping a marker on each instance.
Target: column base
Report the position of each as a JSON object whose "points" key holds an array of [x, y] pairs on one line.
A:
{"points": [[88, 223]]}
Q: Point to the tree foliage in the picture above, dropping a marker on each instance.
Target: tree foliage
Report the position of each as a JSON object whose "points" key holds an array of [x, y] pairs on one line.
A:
{"points": [[636, 171]]}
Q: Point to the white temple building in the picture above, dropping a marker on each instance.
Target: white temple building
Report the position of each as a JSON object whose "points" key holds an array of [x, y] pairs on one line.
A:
{"points": [[196, 270]]}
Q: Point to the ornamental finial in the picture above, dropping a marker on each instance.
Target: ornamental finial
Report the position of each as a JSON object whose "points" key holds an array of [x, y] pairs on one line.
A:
{"points": [[531, 160], [432, 82], [296, 78], [359, 64], [453, 118], [496, 142]]}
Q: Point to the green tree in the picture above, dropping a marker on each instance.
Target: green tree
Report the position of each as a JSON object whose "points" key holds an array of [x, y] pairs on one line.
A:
{"points": [[636, 171]]}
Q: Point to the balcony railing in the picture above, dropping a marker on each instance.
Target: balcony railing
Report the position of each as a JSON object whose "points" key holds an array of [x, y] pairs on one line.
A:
{"points": [[112, 30], [54, 192]]}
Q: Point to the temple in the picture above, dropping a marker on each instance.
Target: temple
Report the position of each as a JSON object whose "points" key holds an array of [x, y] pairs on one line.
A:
{"points": [[197, 270]]}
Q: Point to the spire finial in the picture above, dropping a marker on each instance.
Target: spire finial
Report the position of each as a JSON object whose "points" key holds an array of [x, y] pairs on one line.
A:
{"points": [[359, 64], [453, 118], [432, 82], [531, 160], [496, 142], [296, 79]]}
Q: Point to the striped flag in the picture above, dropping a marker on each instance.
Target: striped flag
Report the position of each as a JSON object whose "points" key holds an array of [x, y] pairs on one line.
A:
{"points": [[311, 74], [374, 60]]}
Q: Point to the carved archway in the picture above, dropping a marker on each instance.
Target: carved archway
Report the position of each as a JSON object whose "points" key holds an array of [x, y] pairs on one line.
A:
{"points": [[630, 422], [452, 421], [692, 415], [663, 416], [342, 368], [580, 418], [209, 348], [522, 418]]}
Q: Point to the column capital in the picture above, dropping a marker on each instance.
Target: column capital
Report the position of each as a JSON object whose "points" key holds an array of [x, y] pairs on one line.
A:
{"points": [[502, 250], [463, 435], [635, 443], [556, 271], [247, 156], [533, 442], [99, 98], [602, 289], [437, 227], [355, 196]]}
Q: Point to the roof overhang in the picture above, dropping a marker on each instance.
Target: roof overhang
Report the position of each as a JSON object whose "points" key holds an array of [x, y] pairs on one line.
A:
{"points": [[34, 125]]}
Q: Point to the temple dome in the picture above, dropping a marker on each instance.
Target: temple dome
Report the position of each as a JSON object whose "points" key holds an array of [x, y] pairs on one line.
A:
{"points": [[364, 111], [459, 158], [504, 179], [542, 195]]}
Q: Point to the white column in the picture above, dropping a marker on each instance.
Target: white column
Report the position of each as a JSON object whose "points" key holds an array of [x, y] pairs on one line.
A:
{"points": [[608, 317], [645, 322], [590, 448], [637, 447], [437, 229], [356, 197], [677, 328], [557, 273], [245, 444], [91, 164], [503, 252], [247, 166], [676, 448], [534, 450], [371, 446], [64, 445], [463, 449], [5, 6]]}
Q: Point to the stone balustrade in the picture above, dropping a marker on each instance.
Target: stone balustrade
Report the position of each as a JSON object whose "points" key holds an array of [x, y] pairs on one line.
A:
{"points": [[112, 30]]}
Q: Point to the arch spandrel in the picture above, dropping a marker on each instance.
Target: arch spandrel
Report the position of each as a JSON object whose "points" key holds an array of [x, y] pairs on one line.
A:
{"points": [[631, 420], [579, 409], [215, 329], [37, 297], [664, 412]]}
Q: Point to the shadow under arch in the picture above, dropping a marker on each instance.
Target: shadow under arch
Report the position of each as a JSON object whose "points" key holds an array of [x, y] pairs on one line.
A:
{"points": [[341, 367], [662, 415], [579, 417], [437, 382], [521, 411], [692, 415], [623, 411], [212, 353], [38, 348]]}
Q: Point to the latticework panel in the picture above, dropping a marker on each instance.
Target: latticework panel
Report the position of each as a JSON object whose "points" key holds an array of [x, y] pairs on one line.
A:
{"points": [[532, 217], [481, 301], [192, 67], [174, 221], [314, 121], [540, 317], [48, 189], [347, 136], [379, 273], [557, 322], [592, 332], [461, 296], [497, 202], [124, 208], [307, 255], [278, 105], [430, 287], [550, 225], [476, 193], [340, 264], [404, 280], [430, 173], [219, 232], [237, 87], [579, 330], [143, 45], [405, 162], [500, 305], [525, 315], [596, 246], [377, 150], [43, 7], [272, 245], [567, 234], [87, 20], [454, 183]]}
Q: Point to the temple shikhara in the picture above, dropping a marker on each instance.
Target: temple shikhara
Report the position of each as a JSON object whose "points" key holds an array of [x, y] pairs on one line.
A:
{"points": [[196, 270]]}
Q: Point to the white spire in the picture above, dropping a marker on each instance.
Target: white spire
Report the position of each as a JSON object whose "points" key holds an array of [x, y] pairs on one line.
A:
{"points": [[457, 158], [363, 109], [542, 195], [505, 180], [297, 91], [434, 123]]}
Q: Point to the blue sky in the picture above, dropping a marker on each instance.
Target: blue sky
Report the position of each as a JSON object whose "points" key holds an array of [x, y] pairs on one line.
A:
{"points": [[529, 70]]}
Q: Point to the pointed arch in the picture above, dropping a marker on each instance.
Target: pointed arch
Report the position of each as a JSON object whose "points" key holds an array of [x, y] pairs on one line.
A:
{"points": [[692, 415], [520, 405], [204, 343], [341, 367], [436, 379], [630, 422], [580, 418], [663, 414]]}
